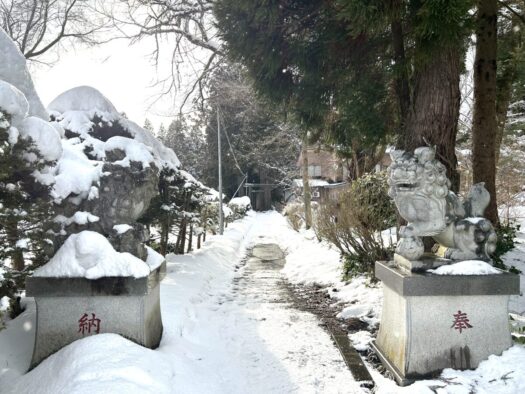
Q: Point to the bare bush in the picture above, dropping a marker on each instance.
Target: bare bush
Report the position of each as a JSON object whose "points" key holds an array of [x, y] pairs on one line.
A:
{"points": [[353, 224]]}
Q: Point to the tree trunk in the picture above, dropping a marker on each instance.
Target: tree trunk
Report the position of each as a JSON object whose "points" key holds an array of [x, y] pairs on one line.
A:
{"points": [[504, 81], [182, 235], [190, 239], [199, 241], [306, 186], [484, 121], [504, 95], [11, 230], [433, 116], [164, 235], [401, 70]]}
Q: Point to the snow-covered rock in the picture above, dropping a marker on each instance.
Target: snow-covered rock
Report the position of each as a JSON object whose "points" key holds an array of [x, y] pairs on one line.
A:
{"points": [[90, 255], [13, 69], [83, 99], [86, 112], [132, 149], [109, 168]]}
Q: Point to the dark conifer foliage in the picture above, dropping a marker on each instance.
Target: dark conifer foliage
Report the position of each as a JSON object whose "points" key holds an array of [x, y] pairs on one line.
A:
{"points": [[25, 209]]}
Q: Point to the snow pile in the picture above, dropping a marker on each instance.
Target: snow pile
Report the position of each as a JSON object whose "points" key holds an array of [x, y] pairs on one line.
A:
{"points": [[13, 102], [499, 374], [134, 151], [240, 202], [104, 363], [45, 137], [468, 267], [89, 254], [122, 228], [13, 69], [361, 340], [75, 173], [164, 156], [79, 217]]}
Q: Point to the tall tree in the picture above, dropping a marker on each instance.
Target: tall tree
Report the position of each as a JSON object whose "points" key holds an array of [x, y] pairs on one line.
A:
{"points": [[26, 209], [148, 125], [256, 141], [186, 137], [484, 123], [333, 63]]}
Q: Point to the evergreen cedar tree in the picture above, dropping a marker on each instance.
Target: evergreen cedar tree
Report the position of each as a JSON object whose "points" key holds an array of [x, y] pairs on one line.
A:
{"points": [[357, 71], [26, 210]]}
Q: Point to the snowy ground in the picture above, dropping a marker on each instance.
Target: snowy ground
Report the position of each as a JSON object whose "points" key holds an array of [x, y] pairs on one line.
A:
{"points": [[220, 338]]}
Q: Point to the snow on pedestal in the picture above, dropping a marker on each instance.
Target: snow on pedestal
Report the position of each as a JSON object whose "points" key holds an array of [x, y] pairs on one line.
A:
{"points": [[88, 288], [455, 317]]}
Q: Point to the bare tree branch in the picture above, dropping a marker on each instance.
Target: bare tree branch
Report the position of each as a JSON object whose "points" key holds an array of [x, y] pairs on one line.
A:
{"points": [[39, 26]]}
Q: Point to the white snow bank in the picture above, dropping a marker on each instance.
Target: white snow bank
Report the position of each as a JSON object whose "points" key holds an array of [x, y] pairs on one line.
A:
{"points": [[468, 267], [44, 136], [89, 254], [13, 102], [241, 202], [13, 69], [499, 374], [104, 363]]}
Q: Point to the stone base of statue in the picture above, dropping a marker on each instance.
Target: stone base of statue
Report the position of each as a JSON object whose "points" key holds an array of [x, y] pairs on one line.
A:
{"points": [[425, 262], [431, 322], [73, 308]]}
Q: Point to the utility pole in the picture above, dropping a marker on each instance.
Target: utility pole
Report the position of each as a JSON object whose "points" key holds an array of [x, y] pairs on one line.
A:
{"points": [[221, 214]]}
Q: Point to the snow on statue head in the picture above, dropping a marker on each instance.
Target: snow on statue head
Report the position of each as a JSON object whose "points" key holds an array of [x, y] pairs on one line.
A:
{"points": [[13, 69], [420, 189]]}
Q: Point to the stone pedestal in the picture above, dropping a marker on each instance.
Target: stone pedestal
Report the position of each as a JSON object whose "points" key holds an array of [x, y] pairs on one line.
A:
{"points": [[431, 322], [73, 308]]}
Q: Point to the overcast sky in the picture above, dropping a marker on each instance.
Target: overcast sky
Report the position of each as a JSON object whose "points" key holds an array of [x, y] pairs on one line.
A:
{"points": [[124, 73]]}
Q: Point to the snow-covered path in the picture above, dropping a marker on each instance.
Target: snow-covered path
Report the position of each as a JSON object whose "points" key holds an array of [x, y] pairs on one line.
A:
{"points": [[244, 336]]}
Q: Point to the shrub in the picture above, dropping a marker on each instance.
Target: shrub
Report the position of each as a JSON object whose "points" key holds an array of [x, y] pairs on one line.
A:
{"points": [[506, 242], [354, 223]]}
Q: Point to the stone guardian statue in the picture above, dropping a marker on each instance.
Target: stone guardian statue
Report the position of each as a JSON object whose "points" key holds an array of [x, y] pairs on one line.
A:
{"points": [[420, 189]]}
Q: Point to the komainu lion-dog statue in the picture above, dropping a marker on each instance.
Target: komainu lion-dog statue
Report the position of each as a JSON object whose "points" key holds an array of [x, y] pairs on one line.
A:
{"points": [[420, 189]]}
